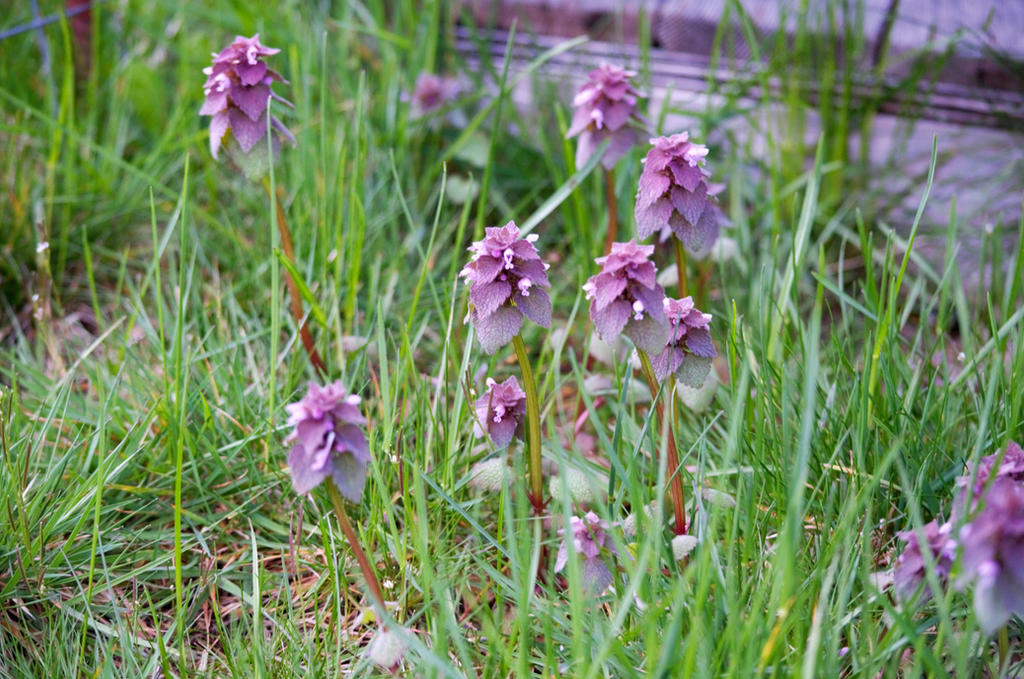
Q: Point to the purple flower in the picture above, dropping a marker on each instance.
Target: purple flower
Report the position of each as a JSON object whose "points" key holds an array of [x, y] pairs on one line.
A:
{"points": [[329, 441], [673, 192], [507, 280], [431, 93], [626, 298], [1011, 467], [237, 90], [588, 537], [689, 350], [993, 555], [501, 412], [606, 109], [911, 564]]}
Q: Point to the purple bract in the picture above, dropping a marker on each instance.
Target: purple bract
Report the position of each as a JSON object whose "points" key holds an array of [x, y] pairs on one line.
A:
{"points": [[588, 537], [626, 299], [329, 441], [673, 193], [689, 350], [606, 109], [507, 281], [501, 412]]}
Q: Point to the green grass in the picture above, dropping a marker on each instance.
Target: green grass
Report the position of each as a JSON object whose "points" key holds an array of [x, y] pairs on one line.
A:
{"points": [[148, 522]]}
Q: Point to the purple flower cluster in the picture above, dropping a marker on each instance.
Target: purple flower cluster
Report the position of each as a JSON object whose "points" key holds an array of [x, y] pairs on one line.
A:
{"points": [[589, 538], [626, 299], [991, 542], [329, 441], [993, 555], [501, 412], [431, 93], [606, 109], [507, 281], [910, 566], [673, 193], [689, 350], [1010, 467], [237, 89]]}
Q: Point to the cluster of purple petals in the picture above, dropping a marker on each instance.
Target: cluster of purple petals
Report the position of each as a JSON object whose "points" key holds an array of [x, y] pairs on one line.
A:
{"points": [[1010, 467], [910, 567], [673, 193], [626, 299], [991, 542], [993, 555], [237, 89], [606, 109], [501, 412], [431, 93], [588, 537], [329, 441], [689, 350], [507, 281]]}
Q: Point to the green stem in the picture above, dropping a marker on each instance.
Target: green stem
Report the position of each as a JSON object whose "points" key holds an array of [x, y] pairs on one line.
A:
{"points": [[702, 284], [533, 424], [364, 563], [680, 265], [672, 454], [1004, 649], [613, 217]]}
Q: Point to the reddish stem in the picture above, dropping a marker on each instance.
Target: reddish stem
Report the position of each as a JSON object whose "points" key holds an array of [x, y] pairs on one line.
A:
{"points": [[294, 299]]}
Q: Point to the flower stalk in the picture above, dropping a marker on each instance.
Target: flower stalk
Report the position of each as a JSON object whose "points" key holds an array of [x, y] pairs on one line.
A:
{"points": [[670, 450], [364, 563], [680, 265], [613, 217], [532, 426], [294, 300]]}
